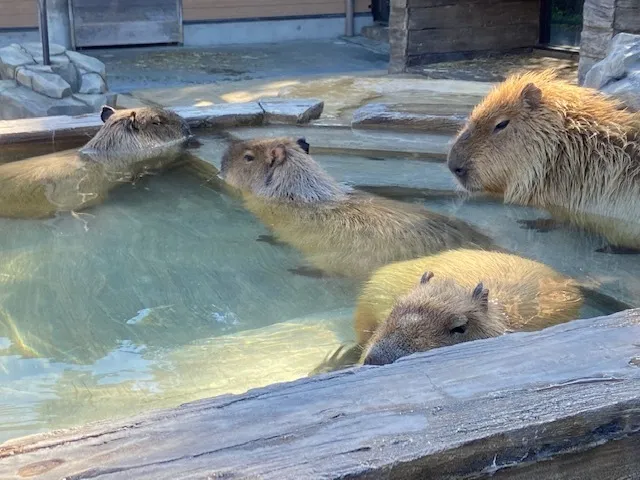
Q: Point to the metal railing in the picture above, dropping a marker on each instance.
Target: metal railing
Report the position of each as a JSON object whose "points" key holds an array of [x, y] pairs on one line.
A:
{"points": [[44, 31]]}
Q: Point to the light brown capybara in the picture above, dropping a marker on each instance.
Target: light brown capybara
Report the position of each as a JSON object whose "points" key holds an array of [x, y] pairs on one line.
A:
{"points": [[340, 231], [543, 142], [452, 297], [129, 144]]}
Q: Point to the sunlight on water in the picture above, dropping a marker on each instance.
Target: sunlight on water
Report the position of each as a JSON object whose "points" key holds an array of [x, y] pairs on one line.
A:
{"points": [[162, 295]]}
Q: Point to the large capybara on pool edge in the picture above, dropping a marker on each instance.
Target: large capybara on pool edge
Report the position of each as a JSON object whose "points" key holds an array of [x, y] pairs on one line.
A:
{"points": [[340, 231], [543, 142], [129, 144]]}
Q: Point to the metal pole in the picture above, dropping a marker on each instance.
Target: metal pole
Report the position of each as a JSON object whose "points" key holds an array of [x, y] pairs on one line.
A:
{"points": [[348, 26], [44, 32]]}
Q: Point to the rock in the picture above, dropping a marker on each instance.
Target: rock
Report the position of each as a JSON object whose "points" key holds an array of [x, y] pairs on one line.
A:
{"points": [[618, 74], [405, 117], [42, 80], [97, 101], [67, 70], [12, 57], [281, 110], [35, 49], [87, 63], [626, 90], [92, 83], [20, 102]]}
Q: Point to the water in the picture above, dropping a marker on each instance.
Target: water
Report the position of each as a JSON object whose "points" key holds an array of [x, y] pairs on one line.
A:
{"points": [[162, 295]]}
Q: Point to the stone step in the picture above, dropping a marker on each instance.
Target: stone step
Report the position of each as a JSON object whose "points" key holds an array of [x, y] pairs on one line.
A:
{"points": [[376, 32]]}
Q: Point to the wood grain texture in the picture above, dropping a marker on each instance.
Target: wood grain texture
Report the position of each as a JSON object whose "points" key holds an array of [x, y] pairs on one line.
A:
{"points": [[562, 403]]}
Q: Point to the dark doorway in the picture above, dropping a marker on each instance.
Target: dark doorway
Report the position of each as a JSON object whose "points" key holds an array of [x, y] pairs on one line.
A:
{"points": [[381, 10], [561, 22]]}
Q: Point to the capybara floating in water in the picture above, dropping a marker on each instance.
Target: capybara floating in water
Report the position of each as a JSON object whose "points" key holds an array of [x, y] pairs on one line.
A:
{"points": [[543, 142], [340, 231], [466, 295], [129, 144]]}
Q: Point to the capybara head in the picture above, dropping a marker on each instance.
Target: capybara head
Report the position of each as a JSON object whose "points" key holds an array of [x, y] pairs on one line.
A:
{"points": [[516, 134], [141, 130], [277, 168], [436, 313]]}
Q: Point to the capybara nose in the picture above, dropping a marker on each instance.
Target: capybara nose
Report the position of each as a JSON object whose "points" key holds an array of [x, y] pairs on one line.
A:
{"points": [[460, 172], [373, 360]]}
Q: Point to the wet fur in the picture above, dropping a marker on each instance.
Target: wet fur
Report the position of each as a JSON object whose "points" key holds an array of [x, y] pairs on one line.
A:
{"points": [[522, 295], [568, 149], [340, 231], [131, 143]]}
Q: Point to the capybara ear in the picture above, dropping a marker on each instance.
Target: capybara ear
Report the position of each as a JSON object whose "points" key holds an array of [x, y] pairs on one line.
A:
{"points": [[302, 143], [426, 276], [531, 96], [481, 295], [132, 120], [106, 112], [278, 155]]}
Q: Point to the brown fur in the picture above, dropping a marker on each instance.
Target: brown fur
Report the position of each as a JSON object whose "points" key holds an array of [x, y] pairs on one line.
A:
{"points": [[485, 294], [129, 144], [566, 148], [341, 232]]}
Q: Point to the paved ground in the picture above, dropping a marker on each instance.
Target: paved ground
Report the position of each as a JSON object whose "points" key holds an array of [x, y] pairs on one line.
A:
{"points": [[166, 67]]}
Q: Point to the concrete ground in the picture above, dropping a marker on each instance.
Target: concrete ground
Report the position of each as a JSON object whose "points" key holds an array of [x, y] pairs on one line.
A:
{"points": [[169, 67]]}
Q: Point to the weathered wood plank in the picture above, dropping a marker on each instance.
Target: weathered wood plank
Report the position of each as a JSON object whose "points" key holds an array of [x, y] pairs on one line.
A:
{"points": [[471, 39], [464, 14], [628, 19], [553, 404], [55, 128]]}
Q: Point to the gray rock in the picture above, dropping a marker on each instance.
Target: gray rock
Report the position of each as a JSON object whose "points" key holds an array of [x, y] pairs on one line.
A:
{"points": [[627, 90], [379, 115], [92, 83], [97, 101], [21, 102], [12, 57], [67, 70], [618, 73], [35, 49], [87, 63], [42, 80], [280, 110]]}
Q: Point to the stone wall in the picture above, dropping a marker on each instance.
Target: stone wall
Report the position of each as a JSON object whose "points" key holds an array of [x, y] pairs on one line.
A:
{"points": [[72, 85], [602, 20], [425, 31]]}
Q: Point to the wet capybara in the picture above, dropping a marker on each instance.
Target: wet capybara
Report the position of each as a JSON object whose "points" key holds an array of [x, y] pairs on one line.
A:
{"points": [[129, 144], [340, 231], [467, 295], [543, 142]]}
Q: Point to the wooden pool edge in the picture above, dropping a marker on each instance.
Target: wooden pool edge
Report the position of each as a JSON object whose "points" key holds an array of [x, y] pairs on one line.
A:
{"points": [[225, 115], [560, 403]]}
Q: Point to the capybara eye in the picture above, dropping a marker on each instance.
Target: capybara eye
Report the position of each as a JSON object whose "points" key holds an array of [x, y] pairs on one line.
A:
{"points": [[458, 330], [249, 158], [501, 126]]}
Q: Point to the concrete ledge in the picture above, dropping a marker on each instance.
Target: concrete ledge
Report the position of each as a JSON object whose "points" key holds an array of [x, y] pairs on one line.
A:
{"points": [[401, 117], [56, 128], [561, 403]]}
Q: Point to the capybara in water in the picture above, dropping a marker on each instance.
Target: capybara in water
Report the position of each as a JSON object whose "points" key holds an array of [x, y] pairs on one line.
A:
{"points": [[341, 232], [543, 142], [466, 295], [129, 144]]}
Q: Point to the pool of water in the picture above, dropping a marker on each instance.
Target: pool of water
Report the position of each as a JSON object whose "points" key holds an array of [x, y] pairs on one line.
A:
{"points": [[162, 295]]}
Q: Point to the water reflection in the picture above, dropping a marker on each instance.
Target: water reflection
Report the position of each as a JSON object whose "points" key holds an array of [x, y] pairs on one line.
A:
{"points": [[163, 295]]}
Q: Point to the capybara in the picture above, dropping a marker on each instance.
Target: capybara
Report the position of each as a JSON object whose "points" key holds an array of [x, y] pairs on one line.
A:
{"points": [[341, 231], [466, 295], [130, 143], [543, 142]]}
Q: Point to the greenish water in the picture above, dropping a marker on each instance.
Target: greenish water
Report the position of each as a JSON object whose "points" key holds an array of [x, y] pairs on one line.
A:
{"points": [[163, 295]]}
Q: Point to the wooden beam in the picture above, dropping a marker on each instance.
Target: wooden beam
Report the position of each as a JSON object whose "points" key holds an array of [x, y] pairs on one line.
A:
{"points": [[63, 127], [561, 403]]}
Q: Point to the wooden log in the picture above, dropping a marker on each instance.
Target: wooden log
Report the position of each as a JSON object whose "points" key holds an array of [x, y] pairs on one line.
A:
{"points": [[63, 127], [562, 403]]}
